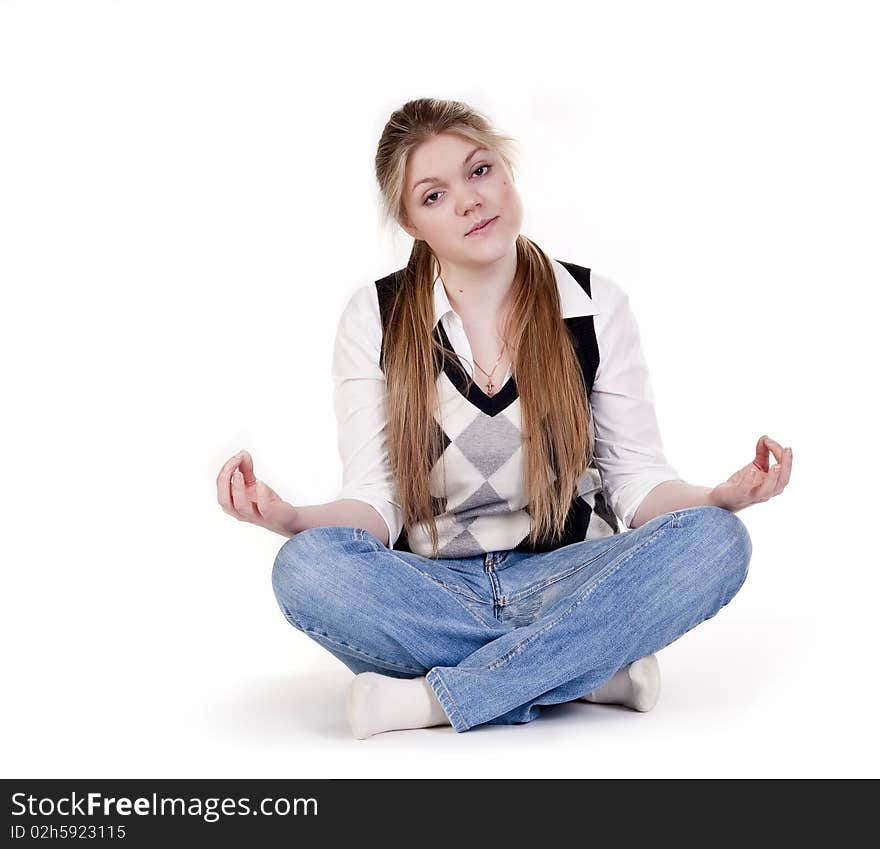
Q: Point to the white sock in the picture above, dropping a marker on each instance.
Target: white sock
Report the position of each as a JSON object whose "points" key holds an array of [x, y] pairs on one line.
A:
{"points": [[637, 686], [376, 703]]}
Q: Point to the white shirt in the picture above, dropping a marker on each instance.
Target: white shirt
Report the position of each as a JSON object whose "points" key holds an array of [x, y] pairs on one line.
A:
{"points": [[628, 450]]}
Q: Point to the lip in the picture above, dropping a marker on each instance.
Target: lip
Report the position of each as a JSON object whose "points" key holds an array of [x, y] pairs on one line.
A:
{"points": [[484, 229]]}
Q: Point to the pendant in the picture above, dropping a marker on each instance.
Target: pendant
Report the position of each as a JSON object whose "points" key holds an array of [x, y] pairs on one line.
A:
{"points": [[490, 388]]}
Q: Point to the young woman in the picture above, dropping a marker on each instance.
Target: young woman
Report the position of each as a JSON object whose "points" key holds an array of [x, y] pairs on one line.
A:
{"points": [[495, 420]]}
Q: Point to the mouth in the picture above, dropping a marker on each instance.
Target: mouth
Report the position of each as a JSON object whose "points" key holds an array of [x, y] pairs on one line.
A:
{"points": [[482, 227]]}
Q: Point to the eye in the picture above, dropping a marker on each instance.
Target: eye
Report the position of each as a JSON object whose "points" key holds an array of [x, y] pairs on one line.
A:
{"points": [[484, 165]]}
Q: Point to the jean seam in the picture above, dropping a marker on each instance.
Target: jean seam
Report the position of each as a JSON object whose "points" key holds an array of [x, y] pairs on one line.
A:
{"points": [[678, 516], [562, 576], [451, 592], [452, 588], [446, 700], [289, 616], [361, 653], [514, 650]]}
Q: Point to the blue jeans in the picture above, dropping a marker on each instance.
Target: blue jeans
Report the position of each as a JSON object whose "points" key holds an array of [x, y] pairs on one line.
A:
{"points": [[500, 635]]}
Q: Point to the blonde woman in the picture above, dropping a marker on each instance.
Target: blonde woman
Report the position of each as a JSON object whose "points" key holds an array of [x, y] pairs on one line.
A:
{"points": [[496, 423]]}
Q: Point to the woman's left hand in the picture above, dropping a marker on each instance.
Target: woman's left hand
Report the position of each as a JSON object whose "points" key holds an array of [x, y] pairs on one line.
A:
{"points": [[757, 481]]}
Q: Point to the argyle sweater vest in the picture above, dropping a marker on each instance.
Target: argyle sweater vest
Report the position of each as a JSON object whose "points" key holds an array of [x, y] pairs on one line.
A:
{"points": [[477, 480]]}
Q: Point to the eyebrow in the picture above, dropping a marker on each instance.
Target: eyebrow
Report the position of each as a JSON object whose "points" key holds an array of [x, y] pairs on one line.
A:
{"points": [[437, 179]]}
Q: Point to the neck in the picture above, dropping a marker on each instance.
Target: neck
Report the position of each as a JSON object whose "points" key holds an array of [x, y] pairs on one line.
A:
{"points": [[479, 294]]}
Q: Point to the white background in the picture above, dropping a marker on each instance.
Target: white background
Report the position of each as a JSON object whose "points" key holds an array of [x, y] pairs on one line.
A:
{"points": [[187, 201]]}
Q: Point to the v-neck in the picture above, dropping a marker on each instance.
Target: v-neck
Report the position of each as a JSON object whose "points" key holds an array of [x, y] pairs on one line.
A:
{"points": [[491, 405]]}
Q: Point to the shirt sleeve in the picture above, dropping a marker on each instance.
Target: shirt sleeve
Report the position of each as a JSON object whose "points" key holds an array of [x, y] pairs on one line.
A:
{"points": [[628, 450], [359, 406]]}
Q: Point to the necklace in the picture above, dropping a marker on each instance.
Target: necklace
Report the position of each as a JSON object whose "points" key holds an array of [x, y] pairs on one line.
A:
{"points": [[490, 387]]}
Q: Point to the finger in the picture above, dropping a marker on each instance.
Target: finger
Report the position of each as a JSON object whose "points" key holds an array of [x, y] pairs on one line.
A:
{"points": [[780, 485], [762, 454], [242, 504], [262, 498], [224, 481], [771, 488], [236, 495], [758, 480], [786, 469], [775, 447], [752, 478], [768, 486], [748, 475], [778, 471], [247, 468], [228, 466]]}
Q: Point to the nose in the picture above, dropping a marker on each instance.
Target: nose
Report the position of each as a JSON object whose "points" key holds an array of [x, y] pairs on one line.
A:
{"points": [[473, 204]]}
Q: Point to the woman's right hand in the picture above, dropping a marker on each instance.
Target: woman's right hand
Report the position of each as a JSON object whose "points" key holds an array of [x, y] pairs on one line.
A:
{"points": [[247, 499]]}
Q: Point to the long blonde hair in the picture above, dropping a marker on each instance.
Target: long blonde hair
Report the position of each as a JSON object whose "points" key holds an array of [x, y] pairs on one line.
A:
{"points": [[556, 420]]}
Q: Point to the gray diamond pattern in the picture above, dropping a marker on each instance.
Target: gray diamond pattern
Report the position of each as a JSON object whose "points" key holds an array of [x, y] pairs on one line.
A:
{"points": [[489, 442]]}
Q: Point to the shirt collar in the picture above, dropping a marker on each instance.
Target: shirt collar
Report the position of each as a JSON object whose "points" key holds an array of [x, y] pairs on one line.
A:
{"points": [[573, 299]]}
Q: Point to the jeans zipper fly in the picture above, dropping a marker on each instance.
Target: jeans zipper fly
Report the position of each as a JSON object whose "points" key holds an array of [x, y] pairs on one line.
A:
{"points": [[498, 600]]}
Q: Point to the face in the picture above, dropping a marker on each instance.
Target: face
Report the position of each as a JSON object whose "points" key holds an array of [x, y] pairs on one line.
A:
{"points": [[462, 185]]}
